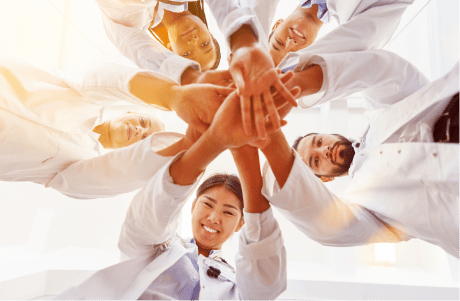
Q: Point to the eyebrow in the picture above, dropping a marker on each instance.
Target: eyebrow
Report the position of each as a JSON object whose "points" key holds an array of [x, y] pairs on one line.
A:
{"points": [[225, 205], [312, 144]]}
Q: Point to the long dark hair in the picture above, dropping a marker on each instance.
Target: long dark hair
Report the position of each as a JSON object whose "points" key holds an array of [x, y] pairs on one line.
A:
{"points": [[196, 8], [231, 182]]}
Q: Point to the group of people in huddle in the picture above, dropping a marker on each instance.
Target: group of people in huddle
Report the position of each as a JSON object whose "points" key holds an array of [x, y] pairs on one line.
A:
{"points": [[403, 169]]}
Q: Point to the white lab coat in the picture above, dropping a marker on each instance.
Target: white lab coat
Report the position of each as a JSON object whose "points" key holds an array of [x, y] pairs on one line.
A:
{"points": [[403, 185], [364, 25], [173, 270], [46, 133], [127, 24]]}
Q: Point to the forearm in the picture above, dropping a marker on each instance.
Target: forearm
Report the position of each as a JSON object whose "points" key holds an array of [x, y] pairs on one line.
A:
{"points": [[243, 37], [155, 89], [247, 163], [309, 80], [280, 156], [195, 160]]}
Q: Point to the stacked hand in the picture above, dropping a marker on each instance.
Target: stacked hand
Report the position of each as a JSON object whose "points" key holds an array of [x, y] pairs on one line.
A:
{"points": [[255, 76]]}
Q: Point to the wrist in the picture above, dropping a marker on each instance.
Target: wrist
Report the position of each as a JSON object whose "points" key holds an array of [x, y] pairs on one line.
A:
{"points": [[243, 37], [190, 76], [177, 95]]}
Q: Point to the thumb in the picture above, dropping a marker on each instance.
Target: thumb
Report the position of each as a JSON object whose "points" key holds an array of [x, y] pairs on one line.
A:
{"points": [[224, 91], [238, 79], [199, 125]]}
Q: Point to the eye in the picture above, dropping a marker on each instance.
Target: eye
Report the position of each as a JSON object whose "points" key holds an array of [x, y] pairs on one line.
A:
{"points": [[320, 141], [142, 122], [279, 42], [205, 44], [316, 161], [187, 54], [207, 204], [228, 213]]}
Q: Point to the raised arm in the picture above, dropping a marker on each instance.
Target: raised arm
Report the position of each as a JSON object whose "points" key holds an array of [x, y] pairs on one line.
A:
{"points": [[260, 275], [304, 200]]}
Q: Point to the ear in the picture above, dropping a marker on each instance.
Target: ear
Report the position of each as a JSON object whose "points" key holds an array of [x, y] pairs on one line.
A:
{"points": [[240, 224], [277, 23], [326, 179]]}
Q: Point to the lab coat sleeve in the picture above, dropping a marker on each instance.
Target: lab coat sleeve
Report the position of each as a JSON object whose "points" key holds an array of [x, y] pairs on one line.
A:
{"points": [[119, 171], [261, 259], [104, 84], [230, 15], [154, 213], [145, 51], [383, 77], [322, 216]]}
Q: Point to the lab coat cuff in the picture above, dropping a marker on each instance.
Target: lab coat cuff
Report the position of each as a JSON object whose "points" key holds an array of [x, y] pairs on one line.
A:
{"points": [[283, 198], [238, 18], [175, 190], [175, 65], [261, 236]]}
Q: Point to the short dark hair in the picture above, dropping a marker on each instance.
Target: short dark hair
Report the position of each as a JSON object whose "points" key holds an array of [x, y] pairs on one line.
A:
{"points": [[297, 141], [231, 182]]}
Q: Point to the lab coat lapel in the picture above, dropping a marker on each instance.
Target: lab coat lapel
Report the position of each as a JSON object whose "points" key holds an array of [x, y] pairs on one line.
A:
{"points": [[343, 9], [424, 105]]}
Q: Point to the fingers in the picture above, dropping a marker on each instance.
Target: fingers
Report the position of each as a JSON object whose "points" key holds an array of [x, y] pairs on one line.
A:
{"points": [[246, 115], [225, 91], [271, 109], [287, 77], [199, 125], [284, 92], [259, 118], [238, 79]]}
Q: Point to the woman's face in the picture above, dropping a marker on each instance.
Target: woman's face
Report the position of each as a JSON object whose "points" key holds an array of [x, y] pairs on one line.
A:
{"points": [[190, 38], [216, 215]]}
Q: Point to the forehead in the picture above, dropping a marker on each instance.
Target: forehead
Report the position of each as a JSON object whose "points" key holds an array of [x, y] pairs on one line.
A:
{"points": [[222, 196]]}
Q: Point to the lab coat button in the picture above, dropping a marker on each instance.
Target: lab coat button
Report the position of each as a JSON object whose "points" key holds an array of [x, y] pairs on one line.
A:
{"points": [[381, 152], [203, 286], [435, 155], [399, 151]]}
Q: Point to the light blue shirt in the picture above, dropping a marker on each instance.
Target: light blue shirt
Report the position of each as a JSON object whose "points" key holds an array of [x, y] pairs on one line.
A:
{"points": [[323, 13]]}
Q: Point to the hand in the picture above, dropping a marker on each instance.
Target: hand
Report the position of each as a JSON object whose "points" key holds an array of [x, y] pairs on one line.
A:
{"points": [[227, 130], [191, 136], [216, 77], [254, 74], [196, 104]]}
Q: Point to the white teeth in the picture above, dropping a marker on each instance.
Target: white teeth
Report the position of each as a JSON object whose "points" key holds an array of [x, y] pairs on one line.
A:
{"points": [[297, 32], [209, 229]]}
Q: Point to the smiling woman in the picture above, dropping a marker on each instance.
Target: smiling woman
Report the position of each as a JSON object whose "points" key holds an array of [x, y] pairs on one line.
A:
{"points": [[143, 30]]}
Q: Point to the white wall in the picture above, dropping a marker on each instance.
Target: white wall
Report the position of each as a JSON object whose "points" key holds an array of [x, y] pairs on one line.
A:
{"points": [[41, 229]]}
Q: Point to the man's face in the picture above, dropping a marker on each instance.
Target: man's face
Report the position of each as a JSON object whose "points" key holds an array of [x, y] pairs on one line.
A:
{"points": [[130, 128], [216, 215], [326, 155], [298, 31], [189, 37]]}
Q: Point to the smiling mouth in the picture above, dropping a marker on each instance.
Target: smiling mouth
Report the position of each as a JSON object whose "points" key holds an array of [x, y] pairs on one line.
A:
{"points": [[297, 33], [210, 230]]}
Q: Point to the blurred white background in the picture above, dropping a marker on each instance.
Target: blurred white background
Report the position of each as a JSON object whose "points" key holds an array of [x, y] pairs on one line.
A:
{"points": [[40, 229]]}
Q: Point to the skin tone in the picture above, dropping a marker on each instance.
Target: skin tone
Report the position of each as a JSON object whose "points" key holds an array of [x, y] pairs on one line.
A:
{"points": [[298, 31], [195, 104], [321, 152], [216, 215], [189, 37], [127, 129], [254, 75]]}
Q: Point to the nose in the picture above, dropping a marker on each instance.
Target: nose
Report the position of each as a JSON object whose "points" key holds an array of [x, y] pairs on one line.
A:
{"points": [[139, 130], [193, 40], [213, 217], [326, 151], [290, 44]]}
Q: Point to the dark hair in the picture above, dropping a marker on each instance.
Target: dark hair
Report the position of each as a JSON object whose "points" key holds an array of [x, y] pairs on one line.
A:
{"points": [[231, 182], [196, 8], [297, 141]]}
